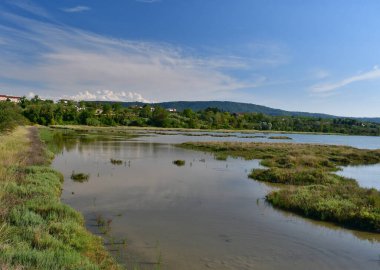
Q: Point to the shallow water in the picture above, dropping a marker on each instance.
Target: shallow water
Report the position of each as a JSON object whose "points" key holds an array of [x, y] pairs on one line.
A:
{"points": [[367, 176], [364, 142], [204, 215]]}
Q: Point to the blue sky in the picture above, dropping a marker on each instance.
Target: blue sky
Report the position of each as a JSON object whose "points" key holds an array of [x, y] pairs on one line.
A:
{"points": [[317, 56]]}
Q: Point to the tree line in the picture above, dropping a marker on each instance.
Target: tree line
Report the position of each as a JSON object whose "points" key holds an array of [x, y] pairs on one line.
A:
{"points": [[48, 112]]}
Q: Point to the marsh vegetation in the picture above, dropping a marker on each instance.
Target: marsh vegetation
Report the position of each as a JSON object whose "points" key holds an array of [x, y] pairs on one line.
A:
{"points": [[310, 186], [206, 195]]}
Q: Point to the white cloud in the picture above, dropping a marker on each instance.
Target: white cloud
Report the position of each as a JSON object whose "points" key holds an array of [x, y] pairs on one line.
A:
{"points": [[64, 61], [108, 95], [30, 7], [76, 9], [326, 87]]}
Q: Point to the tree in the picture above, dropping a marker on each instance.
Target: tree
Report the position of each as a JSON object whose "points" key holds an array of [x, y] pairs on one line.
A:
{"points": [[159, 116]]}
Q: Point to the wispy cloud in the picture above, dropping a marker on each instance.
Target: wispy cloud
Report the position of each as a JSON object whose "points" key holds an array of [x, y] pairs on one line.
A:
{"points": [[30, 7], [320, 73], [331, 86], [62, 61], [76, 9]]}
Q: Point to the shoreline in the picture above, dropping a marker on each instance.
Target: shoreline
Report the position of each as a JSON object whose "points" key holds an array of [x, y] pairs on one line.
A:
{"points": [[37, 230], [243, 131]]}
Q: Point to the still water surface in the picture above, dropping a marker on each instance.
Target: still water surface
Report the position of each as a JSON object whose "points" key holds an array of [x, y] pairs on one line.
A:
{"points": [[364, 142], [204, 215], [367, 176]]}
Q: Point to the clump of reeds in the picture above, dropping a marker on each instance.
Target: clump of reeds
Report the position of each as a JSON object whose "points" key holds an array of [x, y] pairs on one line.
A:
{"points": [[79, 177], [116, 161], [179, 162]]}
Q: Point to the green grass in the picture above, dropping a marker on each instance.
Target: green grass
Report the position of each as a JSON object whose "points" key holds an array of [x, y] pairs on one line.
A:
{"points": [[37, 231], [310, 186]]}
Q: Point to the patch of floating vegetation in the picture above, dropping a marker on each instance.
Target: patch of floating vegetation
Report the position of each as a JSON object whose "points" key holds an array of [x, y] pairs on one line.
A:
{"points": [[179, 162], [79, 177], [279, 138], [116, 161]]}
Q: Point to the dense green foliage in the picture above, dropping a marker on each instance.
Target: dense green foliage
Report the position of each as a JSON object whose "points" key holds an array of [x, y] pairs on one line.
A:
{"points": [[10, 116], [237, 107], [313, 189], [107, 114]]}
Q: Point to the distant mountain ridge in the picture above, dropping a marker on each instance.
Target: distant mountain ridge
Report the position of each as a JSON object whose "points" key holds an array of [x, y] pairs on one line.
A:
{"points": [[238, 107]]}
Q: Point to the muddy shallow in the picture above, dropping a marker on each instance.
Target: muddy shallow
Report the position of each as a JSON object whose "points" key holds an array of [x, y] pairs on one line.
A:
{"points": [[204, 215]]}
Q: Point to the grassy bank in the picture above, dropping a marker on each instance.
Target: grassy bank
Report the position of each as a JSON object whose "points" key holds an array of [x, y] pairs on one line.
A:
{"points": [[310, 186], [37, 231]]}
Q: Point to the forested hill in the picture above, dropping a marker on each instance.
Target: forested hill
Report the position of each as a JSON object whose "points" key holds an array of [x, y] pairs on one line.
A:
{"points": [[238, 107]]}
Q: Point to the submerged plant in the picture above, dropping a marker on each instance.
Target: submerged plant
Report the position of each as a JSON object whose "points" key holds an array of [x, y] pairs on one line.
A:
{"points": [[103, 224]]}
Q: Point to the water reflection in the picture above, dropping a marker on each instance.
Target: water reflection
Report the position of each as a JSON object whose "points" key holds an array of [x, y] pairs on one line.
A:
{"points": [[364, 142], [367, 176], [203, 215]]}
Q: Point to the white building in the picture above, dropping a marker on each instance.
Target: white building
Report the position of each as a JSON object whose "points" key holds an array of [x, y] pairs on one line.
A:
{"points": [[11, 98]]}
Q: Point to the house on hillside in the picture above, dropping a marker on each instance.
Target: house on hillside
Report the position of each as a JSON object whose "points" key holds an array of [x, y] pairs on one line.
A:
{"points": [[171, 110], [98, 111], [10, 98]]}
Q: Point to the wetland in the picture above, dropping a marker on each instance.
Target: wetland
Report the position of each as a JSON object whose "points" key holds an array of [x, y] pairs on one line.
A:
{"points": [[206, 214]]}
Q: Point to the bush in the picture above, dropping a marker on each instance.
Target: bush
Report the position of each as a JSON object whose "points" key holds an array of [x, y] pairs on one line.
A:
{"points": [[10, 116]]}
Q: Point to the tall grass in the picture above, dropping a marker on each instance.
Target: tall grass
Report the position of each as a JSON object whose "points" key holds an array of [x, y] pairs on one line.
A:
{"points": [[11, 147]]}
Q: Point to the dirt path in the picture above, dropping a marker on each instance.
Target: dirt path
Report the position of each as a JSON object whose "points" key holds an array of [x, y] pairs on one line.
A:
{"points": [[36, 154]]}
